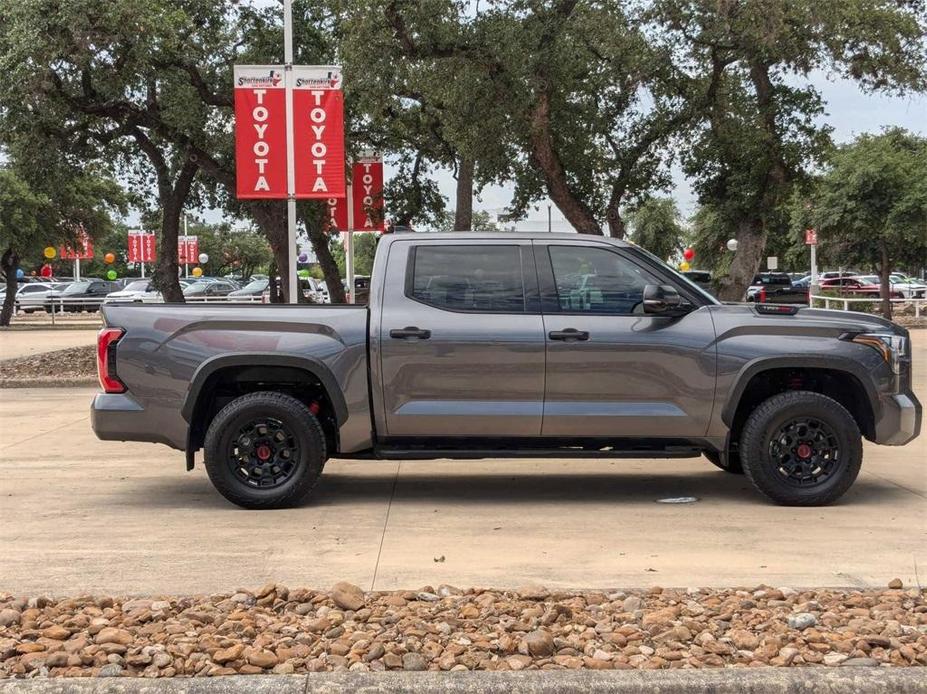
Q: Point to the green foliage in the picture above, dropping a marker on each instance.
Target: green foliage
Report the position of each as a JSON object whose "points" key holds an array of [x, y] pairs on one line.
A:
{"points": [[655, 226], [870, 207]]}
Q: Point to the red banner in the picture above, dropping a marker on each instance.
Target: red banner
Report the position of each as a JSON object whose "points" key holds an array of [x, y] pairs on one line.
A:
{"points": [[811, 237], [188, 250], [142, 247], [318, 132], [260, 131], [367, 192], [337, 215], [84, 250]]}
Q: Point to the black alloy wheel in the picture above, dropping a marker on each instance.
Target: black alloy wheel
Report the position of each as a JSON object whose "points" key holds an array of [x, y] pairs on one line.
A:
{"points": [[801, 448]]}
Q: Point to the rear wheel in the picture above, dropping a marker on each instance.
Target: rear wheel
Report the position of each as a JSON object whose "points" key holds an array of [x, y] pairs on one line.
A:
{"points": [[265, 450], [801, 449]]}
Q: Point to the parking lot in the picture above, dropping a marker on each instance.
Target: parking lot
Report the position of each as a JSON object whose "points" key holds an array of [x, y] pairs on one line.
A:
{"points": [[125, 518]]}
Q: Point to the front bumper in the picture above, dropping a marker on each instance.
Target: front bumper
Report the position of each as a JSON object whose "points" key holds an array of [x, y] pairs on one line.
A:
{"points": [[900, 419]]}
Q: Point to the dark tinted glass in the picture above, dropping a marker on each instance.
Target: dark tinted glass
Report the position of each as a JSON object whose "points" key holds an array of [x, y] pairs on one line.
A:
{"points": [[469, 278], [596, 280]]}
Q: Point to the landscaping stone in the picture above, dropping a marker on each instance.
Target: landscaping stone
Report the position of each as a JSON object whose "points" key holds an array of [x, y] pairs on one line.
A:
{"points": [[277, 630]]}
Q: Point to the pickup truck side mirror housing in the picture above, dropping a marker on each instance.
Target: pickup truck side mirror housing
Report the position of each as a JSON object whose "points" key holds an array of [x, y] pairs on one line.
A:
{"points": [[661, 299]]}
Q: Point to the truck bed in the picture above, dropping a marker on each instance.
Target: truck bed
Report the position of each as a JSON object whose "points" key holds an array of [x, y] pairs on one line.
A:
{"points": [[166, 346]]}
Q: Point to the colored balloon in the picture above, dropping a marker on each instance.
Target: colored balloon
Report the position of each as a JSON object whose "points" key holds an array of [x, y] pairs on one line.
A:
{"points": [[50, 252], [19, 273], [303, 257], [111, 274], [688, 254], [197, 272], [732, 245], [109, 258], [684, 266], [204, 258]]}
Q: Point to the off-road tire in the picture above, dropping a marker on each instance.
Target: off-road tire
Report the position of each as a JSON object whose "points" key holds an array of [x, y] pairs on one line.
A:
{"points": [[303, 426], [766, 422], [733, 462]]}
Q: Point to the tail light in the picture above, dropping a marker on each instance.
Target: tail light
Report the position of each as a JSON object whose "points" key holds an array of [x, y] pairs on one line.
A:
{"points": [[106, 360], [762, 295]]}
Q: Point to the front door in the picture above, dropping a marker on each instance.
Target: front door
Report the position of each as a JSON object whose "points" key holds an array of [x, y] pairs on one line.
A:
{"points": [[613, 371], [461, 340]]}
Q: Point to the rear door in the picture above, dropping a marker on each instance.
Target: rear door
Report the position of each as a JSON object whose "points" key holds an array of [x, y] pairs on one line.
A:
{"points": [[461, 340], [613, 371]]}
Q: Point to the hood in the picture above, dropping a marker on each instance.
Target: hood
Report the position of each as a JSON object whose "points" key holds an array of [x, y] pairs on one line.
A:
{"points": [[813, 320]]}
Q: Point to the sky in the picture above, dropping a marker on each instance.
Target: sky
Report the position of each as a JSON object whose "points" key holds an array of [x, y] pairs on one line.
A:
{"points": [[849, 111]]}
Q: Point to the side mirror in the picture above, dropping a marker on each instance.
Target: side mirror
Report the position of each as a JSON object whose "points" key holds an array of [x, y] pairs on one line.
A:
{"points": [[661, 298]]}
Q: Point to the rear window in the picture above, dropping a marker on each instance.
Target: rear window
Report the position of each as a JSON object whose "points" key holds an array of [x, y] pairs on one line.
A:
{"points": [[482, 279]]}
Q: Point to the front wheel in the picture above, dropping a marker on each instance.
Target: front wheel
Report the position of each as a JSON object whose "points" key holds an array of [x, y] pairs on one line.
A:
{"points": [[801, 449], [265, 450]]}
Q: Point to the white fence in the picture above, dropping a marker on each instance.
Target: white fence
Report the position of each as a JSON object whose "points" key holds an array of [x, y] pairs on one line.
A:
{"points": [[60, 305], [844, 302]]}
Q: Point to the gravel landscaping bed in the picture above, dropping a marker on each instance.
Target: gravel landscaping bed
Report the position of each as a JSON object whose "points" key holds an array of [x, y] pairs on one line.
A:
{"points": [[63, 367], [277, 630]]}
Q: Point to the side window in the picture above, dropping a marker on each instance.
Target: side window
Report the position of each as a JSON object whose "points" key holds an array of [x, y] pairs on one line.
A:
{"points": [[485, 279], [596, 280]]}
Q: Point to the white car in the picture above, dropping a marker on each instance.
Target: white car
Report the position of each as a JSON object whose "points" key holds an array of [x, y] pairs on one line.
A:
{"points": [[31, 296], [139, 291], [908, 288]]}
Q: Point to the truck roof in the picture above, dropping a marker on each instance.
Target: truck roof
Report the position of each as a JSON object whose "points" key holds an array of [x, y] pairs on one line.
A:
{"points": [[501, 235]]}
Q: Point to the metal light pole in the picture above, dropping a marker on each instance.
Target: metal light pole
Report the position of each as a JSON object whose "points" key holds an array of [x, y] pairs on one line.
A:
{"points": [[548, 220], [290, 153]]}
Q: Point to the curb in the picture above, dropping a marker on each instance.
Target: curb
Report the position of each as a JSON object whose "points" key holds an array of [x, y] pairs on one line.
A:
{"points": [[805, 680], [76, 382]]}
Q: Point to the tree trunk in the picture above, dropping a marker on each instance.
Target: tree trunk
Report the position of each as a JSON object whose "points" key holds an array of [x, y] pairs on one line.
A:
{"points": [[751, 240], [545, 157], [319, 241], [8, 263], [885, 284], [166, 277], [463, 215]]}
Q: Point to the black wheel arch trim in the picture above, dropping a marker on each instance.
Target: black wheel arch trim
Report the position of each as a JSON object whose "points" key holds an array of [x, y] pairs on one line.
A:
{"points": [[304, 363], [761, 364]]}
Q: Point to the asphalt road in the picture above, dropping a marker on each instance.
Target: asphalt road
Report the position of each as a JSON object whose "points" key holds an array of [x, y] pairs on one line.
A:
{"points": [[78, 515]]}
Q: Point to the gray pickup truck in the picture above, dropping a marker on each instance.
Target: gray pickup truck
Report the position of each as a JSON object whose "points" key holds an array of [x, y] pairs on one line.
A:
{"points": [[477, 345]]}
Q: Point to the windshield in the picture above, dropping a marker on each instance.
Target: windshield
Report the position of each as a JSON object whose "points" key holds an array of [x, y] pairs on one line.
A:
{"points": [[198, 288], [255, 286], [685, 281], [76, 288], [141, 286]]}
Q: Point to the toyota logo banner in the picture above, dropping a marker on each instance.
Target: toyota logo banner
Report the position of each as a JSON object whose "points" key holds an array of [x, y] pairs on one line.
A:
{"points": [[260, 131]]}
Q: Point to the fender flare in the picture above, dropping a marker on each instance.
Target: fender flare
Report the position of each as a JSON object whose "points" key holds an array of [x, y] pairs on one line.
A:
{"points": [[297, 361], [760, 364]]}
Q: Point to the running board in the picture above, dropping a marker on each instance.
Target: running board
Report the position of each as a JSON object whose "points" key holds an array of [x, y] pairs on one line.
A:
{"points": [[389, 453]]}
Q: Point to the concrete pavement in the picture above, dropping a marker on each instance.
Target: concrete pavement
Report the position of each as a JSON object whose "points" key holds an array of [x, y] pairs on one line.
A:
{"points": [[24, 342], [845, 680], [81, 515]]}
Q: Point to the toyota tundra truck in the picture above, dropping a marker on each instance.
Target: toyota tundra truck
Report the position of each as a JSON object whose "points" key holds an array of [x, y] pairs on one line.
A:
{"points": [[508, 345]]}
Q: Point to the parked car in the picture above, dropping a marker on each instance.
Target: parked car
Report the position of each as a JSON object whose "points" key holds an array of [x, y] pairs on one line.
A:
{"points": [[700, 277], [253, 288], [207, 289], [855, 286], [776, 288], [911, 287], [139, 291], [485, 345], [84, 295], [30, 297]]}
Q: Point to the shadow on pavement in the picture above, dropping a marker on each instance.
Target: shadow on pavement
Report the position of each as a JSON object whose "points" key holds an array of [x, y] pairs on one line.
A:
{"points": [[620, 487]]}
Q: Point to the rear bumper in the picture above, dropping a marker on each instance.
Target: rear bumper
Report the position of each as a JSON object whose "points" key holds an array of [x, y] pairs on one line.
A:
{"points": [[900, 420], [119, 417]]}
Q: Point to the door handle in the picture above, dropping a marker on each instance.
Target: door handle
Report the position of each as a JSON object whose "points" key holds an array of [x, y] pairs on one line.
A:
{"points": [[410, 331], [569, 334]]}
